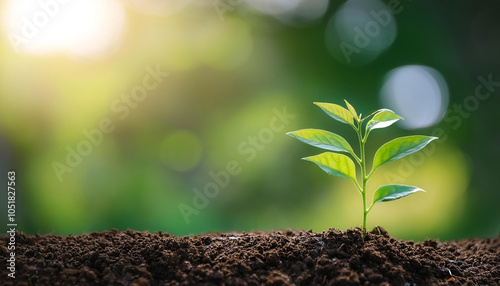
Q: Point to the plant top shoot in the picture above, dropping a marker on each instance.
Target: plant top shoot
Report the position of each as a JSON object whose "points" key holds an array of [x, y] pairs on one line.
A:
{"points": [[343, 166]]}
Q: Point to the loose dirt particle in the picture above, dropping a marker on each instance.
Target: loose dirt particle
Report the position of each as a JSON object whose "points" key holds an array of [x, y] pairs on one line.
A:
{"points": [[286, 257]]}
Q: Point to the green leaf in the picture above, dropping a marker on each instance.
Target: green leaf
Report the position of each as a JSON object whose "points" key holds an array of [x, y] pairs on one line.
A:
{"points": [[322, 139], [382, 118], [393, 192], [337, 112], [351, 109], [398, 148], [334, 164]]}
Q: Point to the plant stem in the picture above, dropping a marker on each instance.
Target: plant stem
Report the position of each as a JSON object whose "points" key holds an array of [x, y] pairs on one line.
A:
{"points": [[363, 176]]}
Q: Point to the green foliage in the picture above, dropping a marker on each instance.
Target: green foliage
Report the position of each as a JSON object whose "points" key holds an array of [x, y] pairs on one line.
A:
{"points": [[382, 118], [335, 164], [389, 193], [323, 139], [337, 112], [343, 166], [399, 148]]}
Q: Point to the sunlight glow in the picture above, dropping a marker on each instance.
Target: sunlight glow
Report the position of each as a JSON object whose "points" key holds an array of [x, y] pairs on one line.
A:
{"points": [[82, 28]]}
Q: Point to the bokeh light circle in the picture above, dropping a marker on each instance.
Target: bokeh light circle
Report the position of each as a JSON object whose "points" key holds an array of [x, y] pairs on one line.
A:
{"points": [[306, 12], [181, 150], [360, 31], [418, 93], [273, 7]]}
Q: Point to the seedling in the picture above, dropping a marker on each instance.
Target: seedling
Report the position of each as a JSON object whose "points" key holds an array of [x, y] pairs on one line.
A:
{"points": [[343, 166]]}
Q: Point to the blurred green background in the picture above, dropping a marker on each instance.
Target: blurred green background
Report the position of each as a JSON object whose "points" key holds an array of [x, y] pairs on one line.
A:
{"points": [[240, 75]]}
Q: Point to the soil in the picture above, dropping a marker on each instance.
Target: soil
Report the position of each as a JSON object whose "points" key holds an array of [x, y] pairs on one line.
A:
{"points": [[289, 257]]}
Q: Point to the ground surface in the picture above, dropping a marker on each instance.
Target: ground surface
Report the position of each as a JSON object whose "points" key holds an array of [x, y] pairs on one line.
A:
{"points": [[277, 258]]}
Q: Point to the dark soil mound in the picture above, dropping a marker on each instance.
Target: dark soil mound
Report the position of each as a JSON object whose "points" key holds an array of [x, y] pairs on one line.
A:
{"points": [[258, 258]]}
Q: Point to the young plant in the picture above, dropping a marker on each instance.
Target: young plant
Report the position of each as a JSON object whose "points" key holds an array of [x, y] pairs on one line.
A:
{"points": [[342, 166]]}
